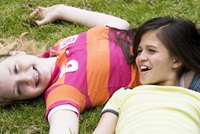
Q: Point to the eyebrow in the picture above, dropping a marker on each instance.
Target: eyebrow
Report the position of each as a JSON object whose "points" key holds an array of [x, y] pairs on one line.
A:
{"points": [[148, 46], [10, 71], [11, 75]]}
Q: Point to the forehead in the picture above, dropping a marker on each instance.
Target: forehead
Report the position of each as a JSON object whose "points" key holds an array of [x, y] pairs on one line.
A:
{"points": [[6, 81], [150, 38]]}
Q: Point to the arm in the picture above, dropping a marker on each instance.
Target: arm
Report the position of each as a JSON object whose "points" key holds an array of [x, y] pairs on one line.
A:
{"points": [[64, 120], [110, 114], [80, 16], [107, 124]]}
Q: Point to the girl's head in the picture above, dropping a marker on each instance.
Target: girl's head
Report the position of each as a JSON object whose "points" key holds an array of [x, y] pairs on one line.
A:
{"points": [[23, 77], [20, 73], [180, 42]]}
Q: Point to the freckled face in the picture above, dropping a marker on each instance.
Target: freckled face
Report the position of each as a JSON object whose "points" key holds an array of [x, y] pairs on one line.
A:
{"points": [[23, 77], [154, 61]]}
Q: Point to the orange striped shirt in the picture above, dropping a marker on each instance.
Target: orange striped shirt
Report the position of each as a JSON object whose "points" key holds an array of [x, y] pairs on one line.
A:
{"points": [[89, 69]]}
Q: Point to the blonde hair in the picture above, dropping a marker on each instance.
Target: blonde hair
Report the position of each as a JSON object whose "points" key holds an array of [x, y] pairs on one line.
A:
{"points": [[23, 43]]}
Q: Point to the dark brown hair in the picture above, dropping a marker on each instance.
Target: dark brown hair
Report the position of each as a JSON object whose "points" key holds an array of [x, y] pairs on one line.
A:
{"points": [[124, 39], [180, 37]]}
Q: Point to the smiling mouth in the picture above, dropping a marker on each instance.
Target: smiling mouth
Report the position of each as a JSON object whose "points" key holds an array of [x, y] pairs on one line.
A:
{"points": [[144, 68], [36, 75]]}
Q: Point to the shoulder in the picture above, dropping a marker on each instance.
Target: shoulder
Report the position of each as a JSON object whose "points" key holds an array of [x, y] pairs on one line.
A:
{"points": [[195, 83], [98, 28], [122, 92]]}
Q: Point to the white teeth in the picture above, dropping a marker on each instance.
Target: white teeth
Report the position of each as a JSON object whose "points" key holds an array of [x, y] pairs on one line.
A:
{"points": [[143, 67], [36, 76]]}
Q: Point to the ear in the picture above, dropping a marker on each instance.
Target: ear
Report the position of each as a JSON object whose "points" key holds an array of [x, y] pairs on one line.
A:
{"points": [[17, 52], [177, 63]]}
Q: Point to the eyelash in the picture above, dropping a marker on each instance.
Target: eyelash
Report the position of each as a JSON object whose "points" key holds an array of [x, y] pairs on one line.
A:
{"points": [[19, 88], [152, 51], [16, 69], [138, 52]]}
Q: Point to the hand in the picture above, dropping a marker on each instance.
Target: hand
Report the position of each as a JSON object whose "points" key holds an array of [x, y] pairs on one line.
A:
{"points": [[48, 14]]}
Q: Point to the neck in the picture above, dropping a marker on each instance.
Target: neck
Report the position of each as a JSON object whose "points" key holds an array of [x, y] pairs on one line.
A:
{"points": [[169, 82], [50, 62]]}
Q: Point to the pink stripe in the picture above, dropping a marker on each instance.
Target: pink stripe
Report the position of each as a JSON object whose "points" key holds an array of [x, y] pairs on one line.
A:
{"points": [[120, 71], [47, 54], [48, 91], [52, 80], [62, 102], [78, 79]]}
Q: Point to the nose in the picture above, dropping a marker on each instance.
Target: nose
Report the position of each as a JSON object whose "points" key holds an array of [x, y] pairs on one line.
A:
{"points": [[142, 56], [25, 78]]}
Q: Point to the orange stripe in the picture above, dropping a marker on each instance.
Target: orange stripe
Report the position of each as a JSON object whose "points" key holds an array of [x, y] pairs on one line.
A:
{"points": [[135, 81], [63, 92], [98, 47]]}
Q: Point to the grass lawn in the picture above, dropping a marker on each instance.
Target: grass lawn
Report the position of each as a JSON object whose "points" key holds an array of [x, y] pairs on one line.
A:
{"points": [[28, 118]]}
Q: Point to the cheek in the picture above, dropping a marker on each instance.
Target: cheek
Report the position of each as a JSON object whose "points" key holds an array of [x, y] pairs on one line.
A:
{"points": [[31, 94], [162, 59], [137, 60], [165, 64]]}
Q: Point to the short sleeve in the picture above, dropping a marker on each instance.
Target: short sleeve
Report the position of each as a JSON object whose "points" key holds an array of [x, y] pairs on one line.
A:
{"points": [[114, 103]]}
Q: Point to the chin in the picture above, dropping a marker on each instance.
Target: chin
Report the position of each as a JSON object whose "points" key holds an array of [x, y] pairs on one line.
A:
{"points": [[147, 83], [143, 82]]}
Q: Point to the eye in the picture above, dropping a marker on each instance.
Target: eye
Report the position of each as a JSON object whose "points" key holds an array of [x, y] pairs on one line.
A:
{"points": [[151, 51], [19, 89], [16, 69], [139, 51]]}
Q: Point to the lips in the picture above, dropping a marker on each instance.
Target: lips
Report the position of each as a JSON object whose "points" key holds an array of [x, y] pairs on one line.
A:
{"points": [[144, 68]]}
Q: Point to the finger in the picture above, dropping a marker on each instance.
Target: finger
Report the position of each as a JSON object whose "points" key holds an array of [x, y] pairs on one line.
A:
{"points": [[41, 8], [42, 22], [36, 11]]}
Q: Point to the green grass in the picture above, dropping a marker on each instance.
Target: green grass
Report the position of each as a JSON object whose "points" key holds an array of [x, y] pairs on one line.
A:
{"points": [[28, 118]]}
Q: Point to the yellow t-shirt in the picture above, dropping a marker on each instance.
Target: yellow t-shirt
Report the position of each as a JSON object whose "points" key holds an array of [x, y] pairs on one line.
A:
{"points": [[156, 110]]}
